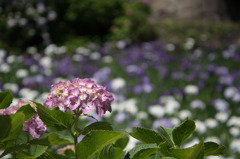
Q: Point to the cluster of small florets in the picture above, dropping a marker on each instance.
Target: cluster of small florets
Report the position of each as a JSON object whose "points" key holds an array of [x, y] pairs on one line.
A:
{"points": [[82, 95], [34, 125]]}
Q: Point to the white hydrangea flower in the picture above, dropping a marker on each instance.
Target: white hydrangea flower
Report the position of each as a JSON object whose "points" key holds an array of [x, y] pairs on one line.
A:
{"points": [[175, 121], [83, 51], [234, 131], [222, 116], [191, 89], [234, 121], [235, 146], [211, 123], [46, 62], [171, 106], [189, 44], [184, 114], [118, 83], [200, 127], [95, 56], [197, 103], [11, 59], [229, 92], [28, 94], [107, 59], [4, 67], [11, 86], [156, 110], [142, 115], [22, 73]]}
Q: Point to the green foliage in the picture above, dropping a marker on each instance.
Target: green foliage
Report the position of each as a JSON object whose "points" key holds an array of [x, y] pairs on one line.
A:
{"points": [[167, 143], [122, 142], [183, 131], [147, 135], [5, 99], [51, 140], [213, 149], [16, 126], [27, 110], [5, 126], [95, 141], [195, 152], [143, 151], [134, 23], [111, 152], [101, 125], [55, 118]]}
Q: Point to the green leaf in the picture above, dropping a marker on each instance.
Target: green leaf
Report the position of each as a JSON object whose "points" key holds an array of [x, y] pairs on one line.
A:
{"points": [[55, 118], [100, 125], [17, 120], [37, 150], [14, 149], [50, 140], [168, 158], [122, 142], [94, 141], [27, 110], [143, 151], [183, 131], [147, 136], [111, 152], [194, 152], [213, 149], [166, 134], [5, 126], [164, 149], [5, 99]]}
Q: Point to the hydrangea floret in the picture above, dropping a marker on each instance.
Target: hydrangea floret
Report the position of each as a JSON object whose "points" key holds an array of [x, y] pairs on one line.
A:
{"points": [[34, 125], [80, 96]]}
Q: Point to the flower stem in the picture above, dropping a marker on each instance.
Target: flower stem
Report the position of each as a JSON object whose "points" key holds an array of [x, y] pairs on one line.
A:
{"points": [[76, 133]]}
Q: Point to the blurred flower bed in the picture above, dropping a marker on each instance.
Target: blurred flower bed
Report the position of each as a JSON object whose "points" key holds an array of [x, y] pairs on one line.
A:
{"points": [[154, 83]]}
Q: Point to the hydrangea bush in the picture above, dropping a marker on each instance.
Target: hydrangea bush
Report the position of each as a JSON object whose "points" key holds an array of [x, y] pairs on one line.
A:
{"points": [[62, 111]]}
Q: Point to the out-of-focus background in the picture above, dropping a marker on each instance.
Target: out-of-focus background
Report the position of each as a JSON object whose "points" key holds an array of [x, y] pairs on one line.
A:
{"points": [[164, 60]]}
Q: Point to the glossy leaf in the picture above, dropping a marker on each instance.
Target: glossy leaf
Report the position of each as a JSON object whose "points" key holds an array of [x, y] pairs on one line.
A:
{"points": [[55, 118], [100, 125], [143, 151], [16, 126], [147, 136], [111, 152], [122, 142], [166, 133], [183, 131], [194, 152], [5, 99], [213, 149], [27, 110], [50, 140], [94, 141], [14, 149], [5, 126]]}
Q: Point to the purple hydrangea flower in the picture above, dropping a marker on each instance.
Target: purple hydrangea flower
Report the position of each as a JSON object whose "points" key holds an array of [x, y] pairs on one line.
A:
{"points": [[81, 95], [34, 125]]}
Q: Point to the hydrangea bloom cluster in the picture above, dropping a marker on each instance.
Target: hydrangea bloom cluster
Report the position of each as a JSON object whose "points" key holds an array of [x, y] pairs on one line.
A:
{"points": [[82, 95], [34, 125]]}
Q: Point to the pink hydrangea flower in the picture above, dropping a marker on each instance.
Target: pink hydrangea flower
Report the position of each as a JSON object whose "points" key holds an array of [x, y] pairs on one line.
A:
{"points": [[82, 95], [34, 125]]}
